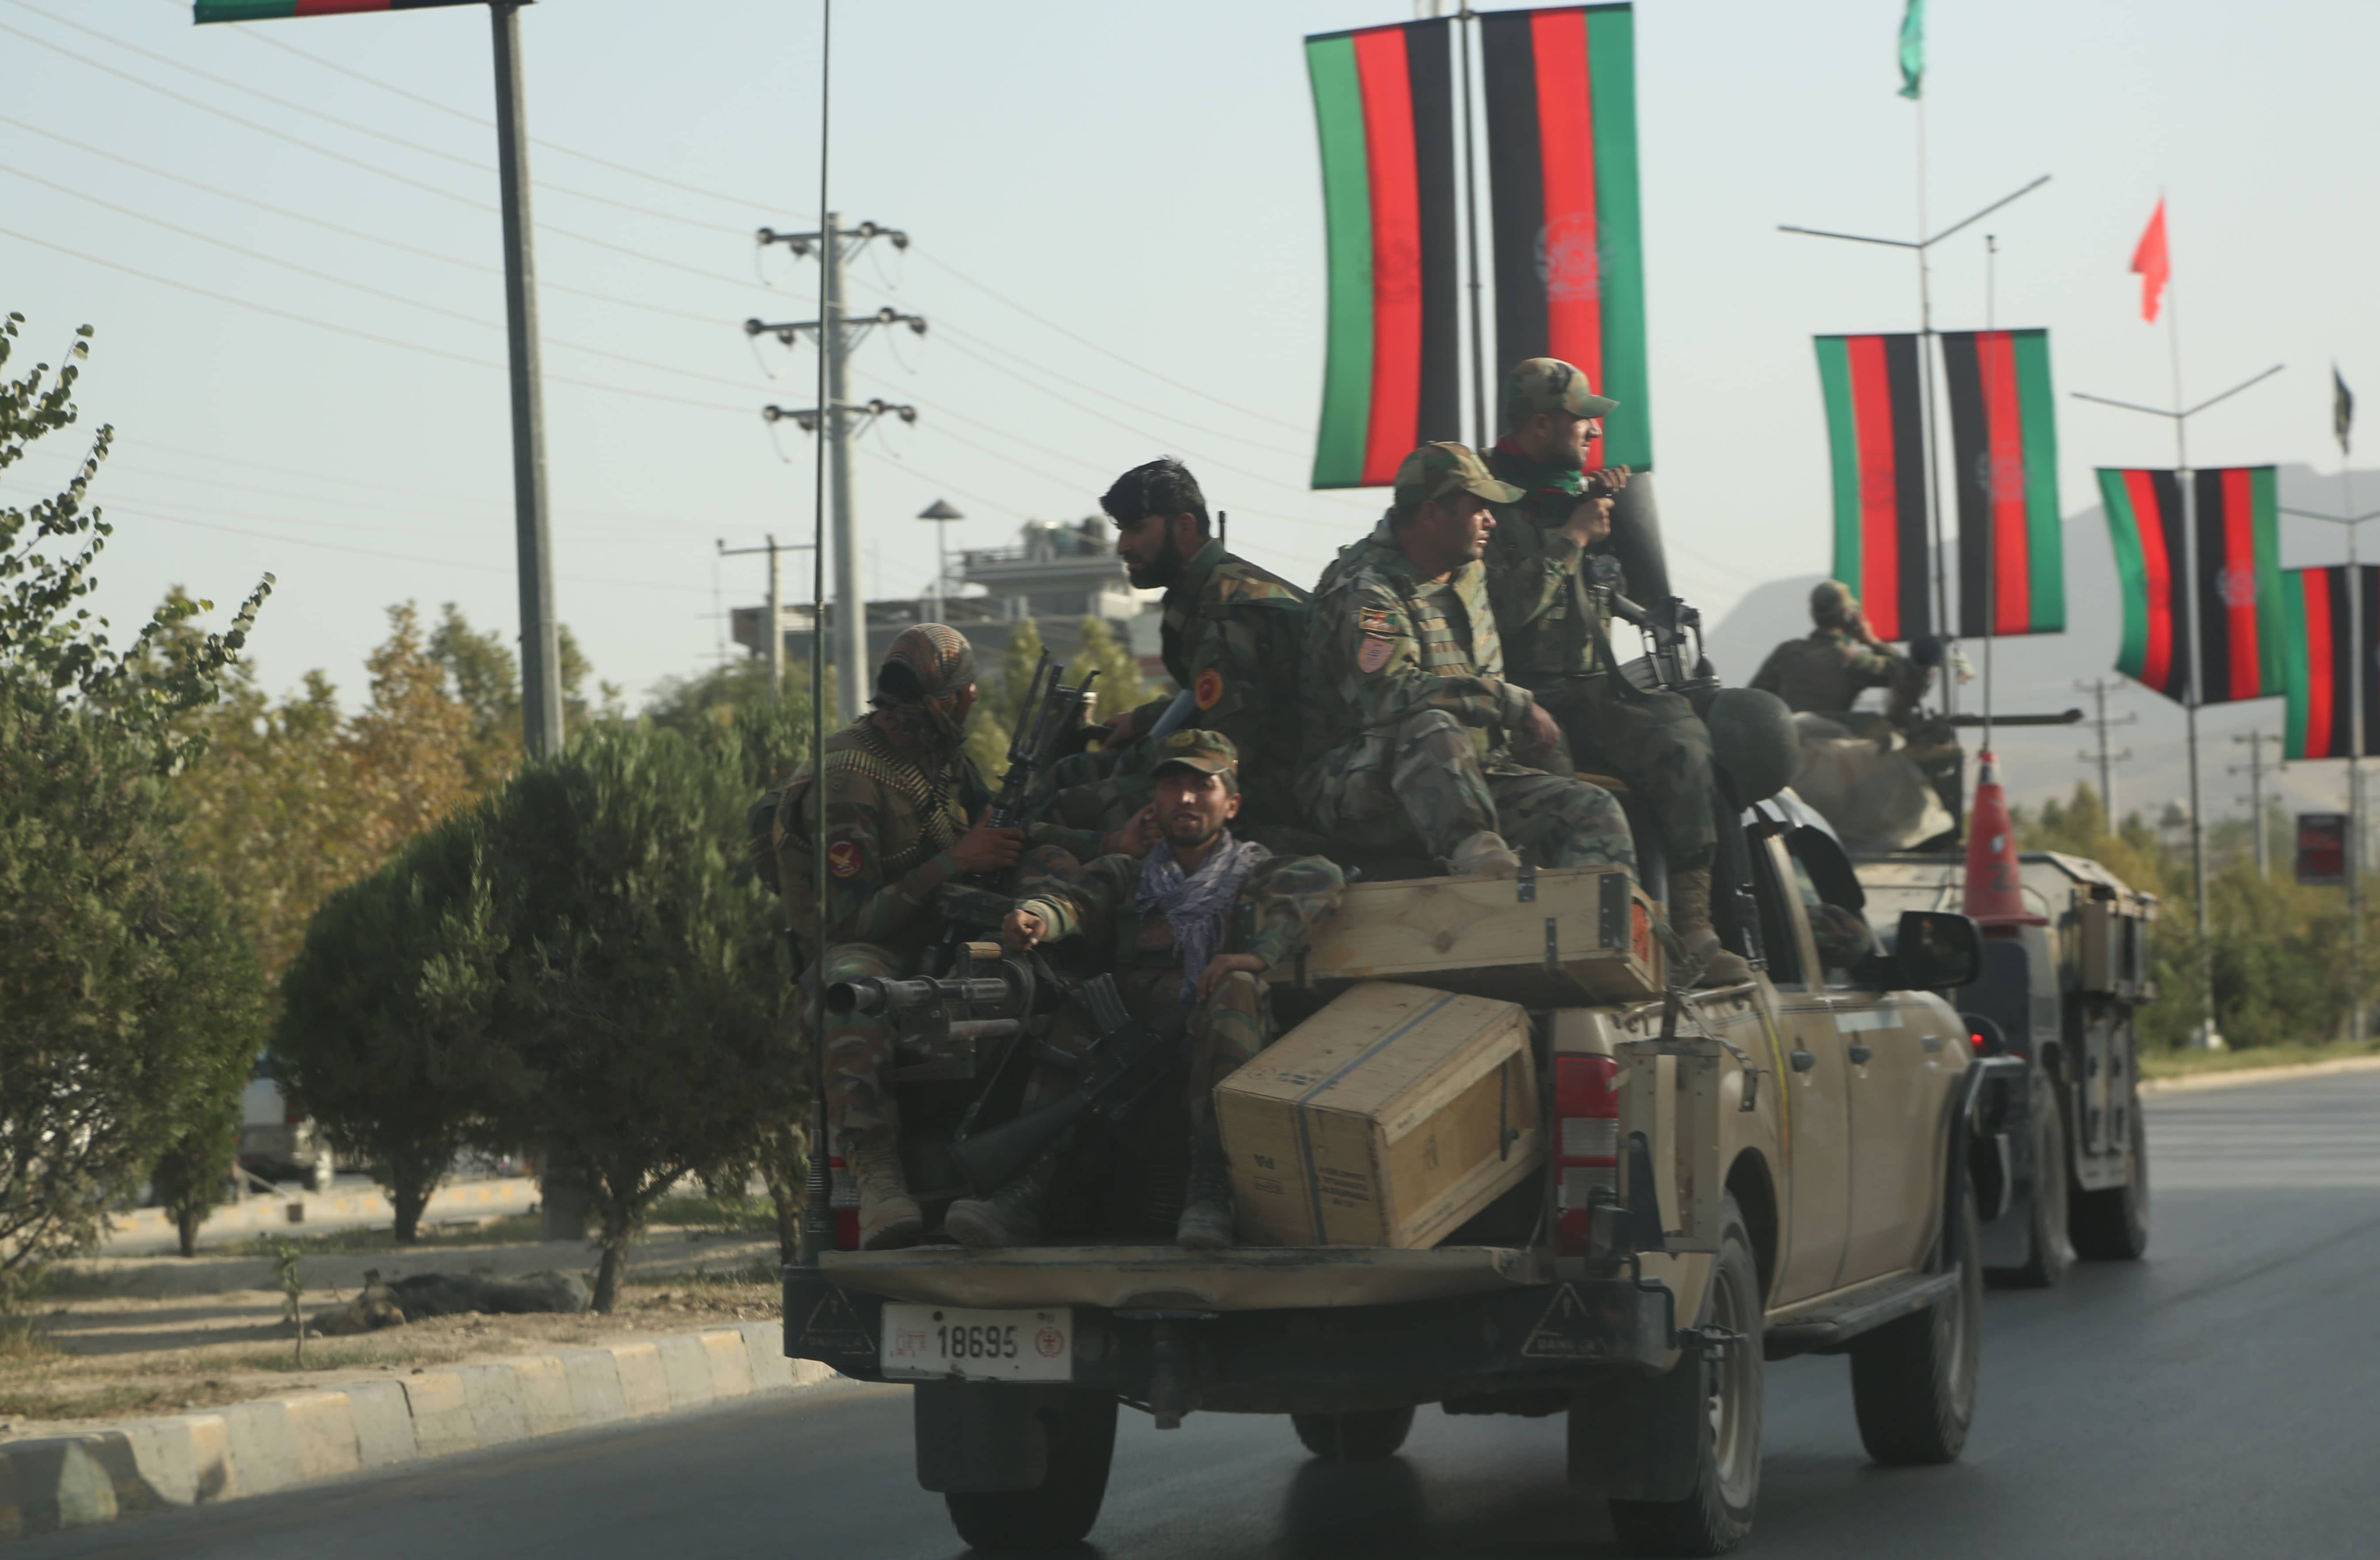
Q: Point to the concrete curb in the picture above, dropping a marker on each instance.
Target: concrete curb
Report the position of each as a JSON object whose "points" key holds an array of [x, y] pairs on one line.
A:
{"points": [[255, 1448], [2192, 1082]]}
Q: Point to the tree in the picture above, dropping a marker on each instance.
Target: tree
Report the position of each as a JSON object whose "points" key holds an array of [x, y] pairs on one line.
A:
{"points": [[129, 992], [190, 1176], [1001, 694], [1101, 650]]}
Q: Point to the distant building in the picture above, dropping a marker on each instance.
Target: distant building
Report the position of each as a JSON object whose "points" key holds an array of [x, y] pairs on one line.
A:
{"points": [[1056, 574]]}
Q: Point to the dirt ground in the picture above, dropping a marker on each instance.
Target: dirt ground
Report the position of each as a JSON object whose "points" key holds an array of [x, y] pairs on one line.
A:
{"points": [[128, 1337]]}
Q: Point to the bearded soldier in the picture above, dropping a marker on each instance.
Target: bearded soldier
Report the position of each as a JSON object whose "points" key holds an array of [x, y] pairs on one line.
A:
{"points": [[1550, 582], [898, 797], [1230, 627], [1191, 930], [1828, 671], [1414, 731]]}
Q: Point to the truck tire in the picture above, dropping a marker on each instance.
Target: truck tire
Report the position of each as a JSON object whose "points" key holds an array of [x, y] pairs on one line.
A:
{"points": [[2049, 1254], [1714, 1516], [1060, 1512], [1364, 1435], [2113, 1226], [1914, 1381]]}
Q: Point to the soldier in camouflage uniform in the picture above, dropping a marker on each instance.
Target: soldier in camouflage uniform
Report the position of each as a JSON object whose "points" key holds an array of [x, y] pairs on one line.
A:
{"points": [[1827, 671], [1230, 627], [1550, 579], [898, 797], [1413, 730], [1192, 931]]}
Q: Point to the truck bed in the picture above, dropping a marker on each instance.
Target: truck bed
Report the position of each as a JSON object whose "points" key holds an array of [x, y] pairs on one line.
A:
{"points": [[1166, 1277]]}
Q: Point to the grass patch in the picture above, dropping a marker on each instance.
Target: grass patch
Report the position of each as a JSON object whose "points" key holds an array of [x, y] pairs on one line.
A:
{"points": [[758, 1271], [518, 1229], [2191, 1063], [715, 1215]]}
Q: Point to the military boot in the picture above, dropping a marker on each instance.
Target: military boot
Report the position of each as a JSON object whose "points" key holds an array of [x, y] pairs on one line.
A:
{"points": [[1206, 1222], [1011, 1216], [1484, 854], [889, 1216], [1690, 890]]}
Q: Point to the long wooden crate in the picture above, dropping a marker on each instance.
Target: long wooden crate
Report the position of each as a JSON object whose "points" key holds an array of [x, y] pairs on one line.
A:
{"points": [[1554, 938]]}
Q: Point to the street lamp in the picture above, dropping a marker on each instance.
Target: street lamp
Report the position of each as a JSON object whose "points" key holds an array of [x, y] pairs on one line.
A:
{"points": [[940, 512]]}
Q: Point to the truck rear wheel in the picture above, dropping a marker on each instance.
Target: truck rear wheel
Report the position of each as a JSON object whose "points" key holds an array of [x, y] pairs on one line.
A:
{"points": [[2049, 1254], [1717, 1514], [1364, 1435], [1059, 1511], [1914, 1381], [2113, 1226]]}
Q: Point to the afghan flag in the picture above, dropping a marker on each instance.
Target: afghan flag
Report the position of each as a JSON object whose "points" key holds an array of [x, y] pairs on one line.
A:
{"points": [[1561, 167], [2144, 523], [1384, 103], [2239, 626], [2320, 653], [1876, 428], [268, 10], [2004, 441]]}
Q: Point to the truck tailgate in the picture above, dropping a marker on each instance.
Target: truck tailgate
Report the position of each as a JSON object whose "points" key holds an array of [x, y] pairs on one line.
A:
{"points": [[1165, 1277]]}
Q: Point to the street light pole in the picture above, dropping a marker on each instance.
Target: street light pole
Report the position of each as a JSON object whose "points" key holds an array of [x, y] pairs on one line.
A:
{"points": [[942, 512]]}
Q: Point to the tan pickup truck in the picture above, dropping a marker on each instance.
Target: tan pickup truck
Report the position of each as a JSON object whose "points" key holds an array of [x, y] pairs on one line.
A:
{"points": [[1718, 1178]]}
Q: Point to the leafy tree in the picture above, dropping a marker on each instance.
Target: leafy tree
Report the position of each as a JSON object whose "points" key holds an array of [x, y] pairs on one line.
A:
{"points": [[1103, 651], [129, 992], [1000, 692], [190, 1176]]}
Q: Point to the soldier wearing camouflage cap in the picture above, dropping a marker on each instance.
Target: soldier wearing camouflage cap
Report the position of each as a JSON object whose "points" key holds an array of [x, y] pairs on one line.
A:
{"points": [[899, 794], [1190, 931], [1551, 576], [1228, 627], [1840, 658], [1413, 731]]}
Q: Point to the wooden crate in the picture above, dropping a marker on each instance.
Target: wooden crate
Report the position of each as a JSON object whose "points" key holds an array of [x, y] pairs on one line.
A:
{"points": [[1386, 1119], [1555, 938]]}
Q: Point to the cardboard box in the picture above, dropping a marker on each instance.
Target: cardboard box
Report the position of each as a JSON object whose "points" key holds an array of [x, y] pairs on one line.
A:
{"points": [[1556, 938], [1386, 1119]]}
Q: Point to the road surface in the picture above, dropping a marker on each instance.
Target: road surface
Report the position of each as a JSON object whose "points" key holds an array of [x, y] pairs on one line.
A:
{"points": [[2221, 1398]]}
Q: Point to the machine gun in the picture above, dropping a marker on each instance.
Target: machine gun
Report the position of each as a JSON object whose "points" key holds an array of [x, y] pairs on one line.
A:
{"points": [[939, 1025], [1116, 1073]]}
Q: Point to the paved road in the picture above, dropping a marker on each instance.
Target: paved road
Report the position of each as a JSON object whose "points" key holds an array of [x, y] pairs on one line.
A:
{"points": [[2220, 1399]]}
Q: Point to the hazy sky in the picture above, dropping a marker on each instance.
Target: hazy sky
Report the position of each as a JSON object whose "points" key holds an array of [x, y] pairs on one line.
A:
{"points": [[1117, 237]]}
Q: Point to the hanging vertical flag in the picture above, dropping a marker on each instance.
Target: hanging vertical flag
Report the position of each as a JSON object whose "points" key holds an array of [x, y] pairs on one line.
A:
{"points": [[1875, 431], [2004, 445], [1384, 106], [2151, 263], [2343, 408], [2237, 515], [2144, 523], [1562, 166], [2319, 658], [1913, 49]]}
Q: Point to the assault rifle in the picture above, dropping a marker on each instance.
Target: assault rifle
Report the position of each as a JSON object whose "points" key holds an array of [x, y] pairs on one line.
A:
{"points": [[1126, 1061], [1674, 660]]}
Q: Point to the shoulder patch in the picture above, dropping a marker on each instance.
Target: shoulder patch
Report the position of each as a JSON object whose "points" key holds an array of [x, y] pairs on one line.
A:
{"points": [[1209, 689], [1375, 654], [1374, 620], [845, 859]]}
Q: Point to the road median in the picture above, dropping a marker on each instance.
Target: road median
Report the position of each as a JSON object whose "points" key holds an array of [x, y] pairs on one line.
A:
{"points": [[156, 1465]]}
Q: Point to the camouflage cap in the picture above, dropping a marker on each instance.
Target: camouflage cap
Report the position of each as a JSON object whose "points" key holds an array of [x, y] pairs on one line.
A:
{"points": [[1207, 752], [935, 654], [1832, 604], [1550, 385], [1435, 470]]}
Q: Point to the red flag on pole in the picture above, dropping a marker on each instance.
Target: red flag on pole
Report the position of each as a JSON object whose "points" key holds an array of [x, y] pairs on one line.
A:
{"points": [[2152, 265]]}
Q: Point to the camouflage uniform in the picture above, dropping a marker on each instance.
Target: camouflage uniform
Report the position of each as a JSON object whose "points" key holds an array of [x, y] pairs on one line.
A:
{"points": [[1280, 904], [1828, 671], [1536, 581], [1408, 715], [1230, 627], [892, 813]]}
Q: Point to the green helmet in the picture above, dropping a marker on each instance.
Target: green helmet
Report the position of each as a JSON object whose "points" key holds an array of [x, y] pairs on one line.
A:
{"points": [[1832, 604]]}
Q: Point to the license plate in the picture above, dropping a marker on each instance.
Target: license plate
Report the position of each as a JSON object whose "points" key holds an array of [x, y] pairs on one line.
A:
{"points": [[1007, 1345]]}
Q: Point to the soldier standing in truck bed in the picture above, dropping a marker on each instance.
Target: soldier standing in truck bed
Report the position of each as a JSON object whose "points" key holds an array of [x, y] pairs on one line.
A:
{"points": [[1551, 585], [899, 795], [1231, 630], [1413, 732], [1841, 657]]}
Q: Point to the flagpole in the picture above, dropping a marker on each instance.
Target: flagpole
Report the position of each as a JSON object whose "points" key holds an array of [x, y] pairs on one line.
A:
{"points": [[1479, 413], [2208, 1037]]}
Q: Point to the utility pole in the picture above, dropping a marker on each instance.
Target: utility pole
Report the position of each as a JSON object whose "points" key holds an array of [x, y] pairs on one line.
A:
{"points": [[2254, 769], [836, 333], [2098, 688], [776, 608]]}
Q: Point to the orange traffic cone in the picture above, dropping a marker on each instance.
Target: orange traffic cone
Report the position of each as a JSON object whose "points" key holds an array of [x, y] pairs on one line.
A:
{"points": [[1995, 892]]}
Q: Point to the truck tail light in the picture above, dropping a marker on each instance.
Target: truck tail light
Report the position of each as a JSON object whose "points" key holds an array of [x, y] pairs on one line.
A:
{"points": [[843, 1199], [1586, 1143]]}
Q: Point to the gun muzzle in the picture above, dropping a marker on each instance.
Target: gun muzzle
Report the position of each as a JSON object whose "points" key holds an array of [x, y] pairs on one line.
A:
{"points": [[873, 994]]}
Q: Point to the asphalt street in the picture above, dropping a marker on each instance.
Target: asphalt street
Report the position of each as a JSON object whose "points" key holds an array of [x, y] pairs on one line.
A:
{"points": [[2221, 1398]]}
